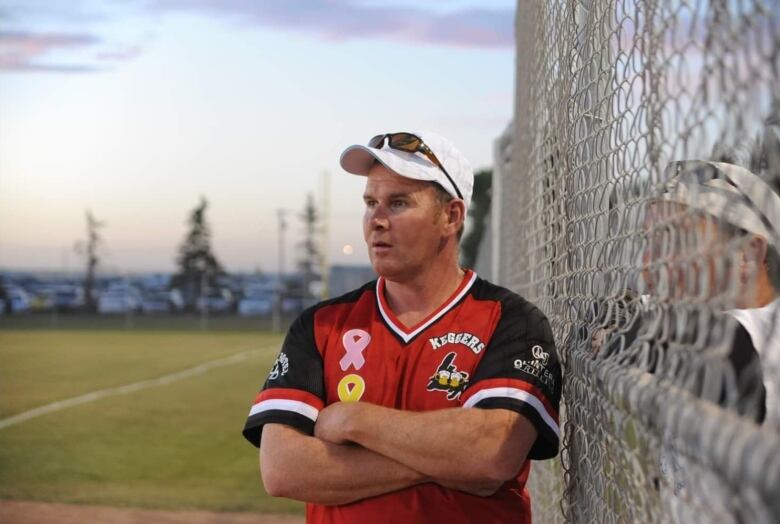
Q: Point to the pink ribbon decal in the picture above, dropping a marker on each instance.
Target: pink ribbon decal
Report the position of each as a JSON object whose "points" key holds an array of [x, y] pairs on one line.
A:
{"points": [[355, 341]]}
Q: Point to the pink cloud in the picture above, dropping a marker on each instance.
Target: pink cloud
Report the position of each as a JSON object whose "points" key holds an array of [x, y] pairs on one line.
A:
{"points": [[25, 50], [20, 50], [119, 54], [345, 19]]}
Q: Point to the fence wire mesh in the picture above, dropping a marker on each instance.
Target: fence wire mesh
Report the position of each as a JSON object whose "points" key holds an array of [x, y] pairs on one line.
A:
{"points": [[640, 260]]}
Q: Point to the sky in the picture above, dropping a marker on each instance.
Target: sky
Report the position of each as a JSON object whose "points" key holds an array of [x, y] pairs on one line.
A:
{"points": [[135, 109]]}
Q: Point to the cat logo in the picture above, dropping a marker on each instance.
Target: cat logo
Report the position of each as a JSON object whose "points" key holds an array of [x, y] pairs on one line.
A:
{"points": [[447, 378]]}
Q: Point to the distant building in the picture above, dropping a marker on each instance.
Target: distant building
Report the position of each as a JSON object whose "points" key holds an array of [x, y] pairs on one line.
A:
{"points": [[484, 263], [346, 278]]}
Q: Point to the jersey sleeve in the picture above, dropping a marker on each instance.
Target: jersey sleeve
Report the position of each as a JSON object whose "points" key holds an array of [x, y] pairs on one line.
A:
{"points": [[520, 372], [293, 393]]}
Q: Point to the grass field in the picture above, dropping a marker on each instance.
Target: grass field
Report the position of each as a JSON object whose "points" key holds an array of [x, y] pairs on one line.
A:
{"points": [[173, 446], [178, 322]]}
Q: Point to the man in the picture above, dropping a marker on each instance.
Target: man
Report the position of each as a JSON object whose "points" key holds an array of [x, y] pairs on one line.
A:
{"points": [[716, 233], [711, 264], [421, 396]]}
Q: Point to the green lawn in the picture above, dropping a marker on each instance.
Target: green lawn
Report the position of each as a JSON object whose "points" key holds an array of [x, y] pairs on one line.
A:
{"points": [[173, 446]]}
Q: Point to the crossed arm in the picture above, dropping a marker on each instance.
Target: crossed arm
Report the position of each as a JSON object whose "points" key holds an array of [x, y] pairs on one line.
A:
{"points": [[361, 450]]}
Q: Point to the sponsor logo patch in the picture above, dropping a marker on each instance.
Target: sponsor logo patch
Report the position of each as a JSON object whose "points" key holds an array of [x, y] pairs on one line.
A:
{"points": [[537, 367], [448, 378], [280, 367], [540, 354]]}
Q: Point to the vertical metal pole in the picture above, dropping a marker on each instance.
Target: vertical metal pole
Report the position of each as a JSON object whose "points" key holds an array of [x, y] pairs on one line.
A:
{"points": [[501, 166], [204, 312], [516, 267], [130, 310], [277, 316], [325, 237]]}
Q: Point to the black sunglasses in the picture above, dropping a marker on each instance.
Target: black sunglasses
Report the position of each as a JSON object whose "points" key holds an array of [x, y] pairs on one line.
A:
{"points": [[411, 144]]}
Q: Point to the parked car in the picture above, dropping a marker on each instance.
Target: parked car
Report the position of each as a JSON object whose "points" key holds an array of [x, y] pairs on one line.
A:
{"points": [[14, 299], [256, 301], [292, 305], [119, 298], [215, 301], [177, 300], [162, 300], [42, 298], [68, 297], [158, 301]]}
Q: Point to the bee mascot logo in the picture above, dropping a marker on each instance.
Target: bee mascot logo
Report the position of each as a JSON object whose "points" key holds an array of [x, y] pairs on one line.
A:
{"points": [[447, 378]]}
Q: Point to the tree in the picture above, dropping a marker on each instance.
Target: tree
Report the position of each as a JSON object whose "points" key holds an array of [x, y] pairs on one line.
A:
{"points": [[309, 264], [198, 266], [90, 250], [480, 207]]}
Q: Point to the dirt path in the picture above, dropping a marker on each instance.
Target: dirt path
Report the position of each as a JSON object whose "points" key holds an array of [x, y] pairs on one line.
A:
{"points": [[15, 512]]}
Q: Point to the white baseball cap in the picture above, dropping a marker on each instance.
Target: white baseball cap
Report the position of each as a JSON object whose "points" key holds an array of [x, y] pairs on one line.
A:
{"points": [[358, 159], [728, 192]]}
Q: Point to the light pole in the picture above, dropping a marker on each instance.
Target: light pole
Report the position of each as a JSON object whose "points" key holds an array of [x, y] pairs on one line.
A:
{"points": [[324, 237], [204, 301], [282, 226]]}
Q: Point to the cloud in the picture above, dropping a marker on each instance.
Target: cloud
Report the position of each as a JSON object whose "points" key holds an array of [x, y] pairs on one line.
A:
{"points": [[345, 19], [51, 68], [21, 50], [334, 20], [77, 12], [119, 54]]}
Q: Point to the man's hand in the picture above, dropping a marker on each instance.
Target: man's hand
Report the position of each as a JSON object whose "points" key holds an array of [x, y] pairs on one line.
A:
{"points": [[301, 467], [334, 421]]}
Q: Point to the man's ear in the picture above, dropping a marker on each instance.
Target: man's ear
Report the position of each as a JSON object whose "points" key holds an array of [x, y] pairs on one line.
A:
{"points": [[456, 214], [753, 256]]}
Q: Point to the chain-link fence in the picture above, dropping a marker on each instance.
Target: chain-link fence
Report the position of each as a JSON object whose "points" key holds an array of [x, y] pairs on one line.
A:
{"points": [[637, 206]]}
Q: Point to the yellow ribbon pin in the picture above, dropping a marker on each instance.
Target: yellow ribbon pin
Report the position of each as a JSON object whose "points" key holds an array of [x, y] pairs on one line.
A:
{"points": [[351, 388]]}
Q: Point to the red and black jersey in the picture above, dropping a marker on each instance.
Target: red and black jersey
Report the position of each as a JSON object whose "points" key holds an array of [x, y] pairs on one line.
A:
{"points": [[485, 347]]}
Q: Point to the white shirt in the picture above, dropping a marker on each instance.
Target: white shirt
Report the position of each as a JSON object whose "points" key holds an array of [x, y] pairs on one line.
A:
{"points": [[763, 326]]}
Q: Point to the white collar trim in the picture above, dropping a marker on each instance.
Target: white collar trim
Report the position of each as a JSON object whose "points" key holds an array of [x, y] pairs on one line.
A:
{"points": [[406, 337]]}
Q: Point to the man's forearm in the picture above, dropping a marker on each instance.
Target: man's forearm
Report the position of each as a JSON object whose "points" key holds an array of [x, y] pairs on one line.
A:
{"points": [[472, 445], [306, 468]]}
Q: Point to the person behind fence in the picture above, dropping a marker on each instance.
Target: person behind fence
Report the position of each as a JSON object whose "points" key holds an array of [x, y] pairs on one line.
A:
{"points": [[730, 217], [421, 396]]}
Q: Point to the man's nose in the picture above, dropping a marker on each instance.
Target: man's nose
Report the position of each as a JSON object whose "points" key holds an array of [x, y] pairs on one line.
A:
{"points": [[379, 219]]}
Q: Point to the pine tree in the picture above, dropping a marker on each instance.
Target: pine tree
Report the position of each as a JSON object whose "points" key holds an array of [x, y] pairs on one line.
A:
{"points": [[90, 250], [480, 207], [198, 266]]}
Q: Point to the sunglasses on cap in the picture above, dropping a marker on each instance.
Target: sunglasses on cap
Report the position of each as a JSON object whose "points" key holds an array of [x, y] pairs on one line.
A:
{"points": [[410, 143]]}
